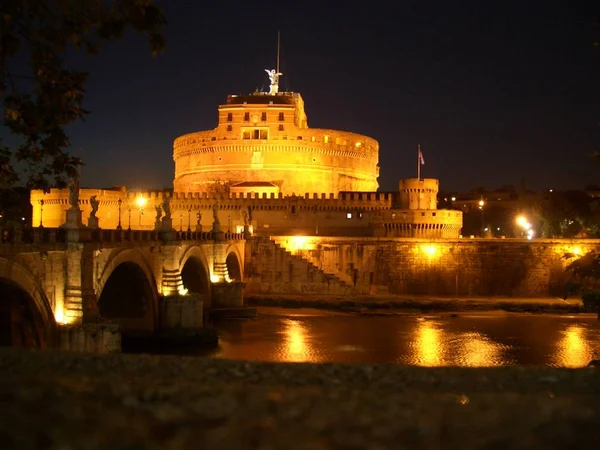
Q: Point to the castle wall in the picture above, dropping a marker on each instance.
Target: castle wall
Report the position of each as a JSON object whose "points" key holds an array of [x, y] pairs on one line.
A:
{"points": [[266, 138], [459, 267], [349, 214], [299, 162]]}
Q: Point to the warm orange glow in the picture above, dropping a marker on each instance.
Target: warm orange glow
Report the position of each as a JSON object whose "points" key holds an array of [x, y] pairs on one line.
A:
{"points": [[298, 243], [521, 221], [297, 346], [481, 203], [59, 315], [428, 345], [430, 250], [573, 350], [141, 202], [479, 351]]}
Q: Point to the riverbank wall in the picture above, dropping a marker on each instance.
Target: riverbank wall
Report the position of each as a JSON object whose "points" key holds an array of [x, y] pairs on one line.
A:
{"points": [[397, 266]]}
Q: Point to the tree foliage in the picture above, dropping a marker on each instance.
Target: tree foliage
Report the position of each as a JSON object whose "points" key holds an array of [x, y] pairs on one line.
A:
{"points": [[40, 95], [586, 272], [567, 214]]}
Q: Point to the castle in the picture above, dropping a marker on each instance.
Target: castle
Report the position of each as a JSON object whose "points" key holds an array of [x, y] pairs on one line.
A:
{"points": [[265, 169]]}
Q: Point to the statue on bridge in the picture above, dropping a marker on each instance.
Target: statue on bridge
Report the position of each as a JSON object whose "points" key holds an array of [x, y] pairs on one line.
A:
{"points": [[93, 220], [157, 222], [74, 193], [216, 213], [94, 204], [166, 206]]}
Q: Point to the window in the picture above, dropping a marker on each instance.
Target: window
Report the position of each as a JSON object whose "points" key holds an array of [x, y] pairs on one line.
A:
{"points": [[263, 116], [280, 127], [229, 128], [348, 215], [256, 133], [281, 117], [299, 138], [214, 138], [293, 209], [326, 139], [246, 117], [229, 117]]}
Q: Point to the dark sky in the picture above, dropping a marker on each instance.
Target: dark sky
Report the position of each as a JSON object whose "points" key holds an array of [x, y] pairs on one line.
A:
{"points": [[494, 91]]}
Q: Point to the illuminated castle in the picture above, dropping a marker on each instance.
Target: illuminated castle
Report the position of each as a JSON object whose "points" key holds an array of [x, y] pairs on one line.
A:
{"points": [[262, 167], [263, 144]]}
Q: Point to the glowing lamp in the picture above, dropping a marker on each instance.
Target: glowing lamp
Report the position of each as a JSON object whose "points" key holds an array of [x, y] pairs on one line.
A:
{"points": [[429, 249], [521, 221], [141, 202]]}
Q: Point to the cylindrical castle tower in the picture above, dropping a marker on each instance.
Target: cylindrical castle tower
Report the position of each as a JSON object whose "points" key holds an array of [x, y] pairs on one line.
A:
{"points": [[419, 193], [263, 144]]}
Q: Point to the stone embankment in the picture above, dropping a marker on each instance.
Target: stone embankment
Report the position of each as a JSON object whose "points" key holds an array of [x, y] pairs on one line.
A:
{"points": [[381, 304], [66, 400]]}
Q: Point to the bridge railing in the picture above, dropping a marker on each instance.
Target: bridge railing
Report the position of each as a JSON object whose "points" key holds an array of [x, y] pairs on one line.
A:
{"points": [[42, 235]]}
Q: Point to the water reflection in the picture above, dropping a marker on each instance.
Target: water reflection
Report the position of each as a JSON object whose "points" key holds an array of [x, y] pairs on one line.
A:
{"points": [[434, 346], [468, 341], [478, 350], [428, 345], [295, 346], [573, 350]]}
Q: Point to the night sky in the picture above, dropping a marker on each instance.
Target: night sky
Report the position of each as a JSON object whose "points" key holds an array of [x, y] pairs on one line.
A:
{"points": [[494, 91]]}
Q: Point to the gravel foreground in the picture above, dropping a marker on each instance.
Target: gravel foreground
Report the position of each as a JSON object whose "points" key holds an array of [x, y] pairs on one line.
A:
{"points": [[57, 400]]}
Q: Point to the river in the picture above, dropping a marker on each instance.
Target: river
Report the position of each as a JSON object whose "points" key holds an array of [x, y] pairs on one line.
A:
{"points": [[467, 340]]}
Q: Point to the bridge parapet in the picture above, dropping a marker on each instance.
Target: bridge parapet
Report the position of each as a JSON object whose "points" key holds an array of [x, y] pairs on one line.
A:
{"points": [[42, 235], [32, 235]]}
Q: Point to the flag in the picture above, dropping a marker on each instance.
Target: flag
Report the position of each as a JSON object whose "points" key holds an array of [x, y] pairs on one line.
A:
{"points": [[421, 160]]}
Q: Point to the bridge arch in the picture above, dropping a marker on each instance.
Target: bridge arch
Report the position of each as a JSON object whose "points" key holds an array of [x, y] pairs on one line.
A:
{"points": [[127, 292], [195, 273], [234, 263], [26, 317]]}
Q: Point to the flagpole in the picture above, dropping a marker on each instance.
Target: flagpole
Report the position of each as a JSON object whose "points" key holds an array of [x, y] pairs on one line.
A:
{"points": [[419, 162]]}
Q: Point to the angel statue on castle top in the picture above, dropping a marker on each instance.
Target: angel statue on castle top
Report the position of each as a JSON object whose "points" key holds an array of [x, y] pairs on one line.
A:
{"points": [[274, 78]]}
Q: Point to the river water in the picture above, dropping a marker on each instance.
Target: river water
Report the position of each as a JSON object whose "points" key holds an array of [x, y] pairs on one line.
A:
{"points": [[468, 340]]}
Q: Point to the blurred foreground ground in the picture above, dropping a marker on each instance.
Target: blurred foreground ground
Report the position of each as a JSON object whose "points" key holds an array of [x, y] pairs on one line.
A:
{"points": [[75, 401]]}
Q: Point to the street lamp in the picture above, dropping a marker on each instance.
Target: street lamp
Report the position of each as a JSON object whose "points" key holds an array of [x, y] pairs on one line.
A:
{"points": [[189, 219], [526, 226], [180, 222], [119, 227], [481, 205], [41, 212], [141, 202], [129, 219]]}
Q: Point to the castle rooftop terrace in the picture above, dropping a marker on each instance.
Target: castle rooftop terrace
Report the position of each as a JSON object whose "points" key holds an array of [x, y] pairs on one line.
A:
{"points": [[262, 98]]}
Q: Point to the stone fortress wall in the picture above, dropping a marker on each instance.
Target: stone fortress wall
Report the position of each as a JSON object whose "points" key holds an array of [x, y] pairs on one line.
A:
{"points": [[265, 139], [347, 214]]}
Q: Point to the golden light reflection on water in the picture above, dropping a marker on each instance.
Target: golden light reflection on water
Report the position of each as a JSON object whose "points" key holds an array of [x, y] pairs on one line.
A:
{"points": [[572, 350], [434, 347], [296, 344], [478, 351], [428, 345]]}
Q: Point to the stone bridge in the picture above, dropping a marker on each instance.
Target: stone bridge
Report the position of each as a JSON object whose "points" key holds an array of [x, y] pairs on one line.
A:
{"points": [[55, 277]]}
